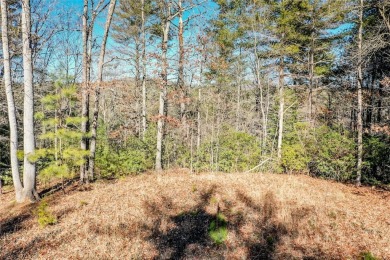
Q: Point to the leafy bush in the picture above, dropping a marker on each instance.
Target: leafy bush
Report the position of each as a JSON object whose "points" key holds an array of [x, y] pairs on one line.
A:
{"points": [[376, 159], [323, 151], [332, 154], [218, 229], [295, 158], [367, 256], [45, 217], [135, 156], [235, 151]]}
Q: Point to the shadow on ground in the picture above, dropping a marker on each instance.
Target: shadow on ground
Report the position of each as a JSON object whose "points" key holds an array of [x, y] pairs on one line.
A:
{"points": [[178, 234], [187, 235]]}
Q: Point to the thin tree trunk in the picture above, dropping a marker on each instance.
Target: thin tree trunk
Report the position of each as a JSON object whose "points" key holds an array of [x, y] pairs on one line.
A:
{"points": [[199, 121], [180, 81], [11, 104], [143, 70], [311, 76], [262, 109], [138, 86], [29, 175], [238, 105], [281, 109], [239, 86], [84, 90], [360, 97], [163, 96], [97, 89]]}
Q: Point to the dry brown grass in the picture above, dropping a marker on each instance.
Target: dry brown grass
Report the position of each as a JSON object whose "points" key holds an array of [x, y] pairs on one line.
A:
{"points": [[166, 216]]}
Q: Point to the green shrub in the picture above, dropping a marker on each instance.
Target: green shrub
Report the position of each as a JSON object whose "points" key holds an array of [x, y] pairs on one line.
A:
{"points": [[44, 216], [134, 156], [235, 151], [367, 256], [332, 154], [294, 158], [218, 229], [323, 151], [376, 159]]}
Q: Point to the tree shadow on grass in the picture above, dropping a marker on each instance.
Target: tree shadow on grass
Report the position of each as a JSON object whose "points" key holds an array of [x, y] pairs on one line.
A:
{"points": [[268, 231], [12, 225], [189, 238], [187, 235]]}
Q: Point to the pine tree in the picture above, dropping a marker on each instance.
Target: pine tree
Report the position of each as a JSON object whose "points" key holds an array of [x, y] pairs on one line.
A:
{"points": [[62, 155]]}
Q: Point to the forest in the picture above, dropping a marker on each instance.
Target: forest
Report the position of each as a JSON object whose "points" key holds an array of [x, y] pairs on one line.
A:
{"points": [[197, 95]]}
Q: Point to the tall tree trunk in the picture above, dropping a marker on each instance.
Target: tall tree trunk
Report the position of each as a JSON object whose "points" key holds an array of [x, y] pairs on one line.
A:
{"points": [[138, 84], [360, 97], [311, 77], [239, 87], [281, 108], [180, 79], [97, 89], [199, 122], [143, 70], [163, 95], [372, 98], [260, 104], [29, 175], [11, 104], [84, 91]]}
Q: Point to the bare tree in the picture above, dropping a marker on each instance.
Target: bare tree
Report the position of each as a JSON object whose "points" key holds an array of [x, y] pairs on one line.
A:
{"points": [[180, 79], [165, 26], [88, 25], [84, 91], [10, 103], [143, 31], [281, 108], [97, 88], [360, 96], [29, 175]]}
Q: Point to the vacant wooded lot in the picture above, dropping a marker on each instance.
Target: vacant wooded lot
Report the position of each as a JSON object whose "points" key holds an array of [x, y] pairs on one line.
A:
{"points": [[168, 216], [195, 129]]}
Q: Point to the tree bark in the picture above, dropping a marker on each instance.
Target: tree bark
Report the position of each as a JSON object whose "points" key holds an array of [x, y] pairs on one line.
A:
{"points": [[199, 122], [29, 175], [84, 90], [11, 104], [311, 77], [180, 80], [281, 109], [97, 89], [360, 97], [163, 94], [143, 70]]}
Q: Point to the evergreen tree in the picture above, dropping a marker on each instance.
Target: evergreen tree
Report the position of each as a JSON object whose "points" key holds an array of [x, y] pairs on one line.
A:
{"points": [[61, 156]]}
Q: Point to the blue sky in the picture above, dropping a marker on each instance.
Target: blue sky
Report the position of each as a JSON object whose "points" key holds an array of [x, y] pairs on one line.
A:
{"points": [[77, 5], [76, 9]]}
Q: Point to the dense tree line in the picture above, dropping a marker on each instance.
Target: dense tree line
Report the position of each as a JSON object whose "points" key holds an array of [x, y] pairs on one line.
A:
{"points": [[226, 85]]}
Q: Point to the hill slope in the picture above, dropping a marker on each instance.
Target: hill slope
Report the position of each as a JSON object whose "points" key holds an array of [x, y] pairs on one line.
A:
{"points": [[167, 216]]}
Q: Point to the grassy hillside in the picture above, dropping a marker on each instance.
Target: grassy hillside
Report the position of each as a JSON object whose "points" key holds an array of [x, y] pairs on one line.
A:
{"points": [[168, 216]]}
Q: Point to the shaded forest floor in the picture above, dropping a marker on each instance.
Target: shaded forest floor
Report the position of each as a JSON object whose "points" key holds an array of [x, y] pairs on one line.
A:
{"points": [[167, 216]]}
